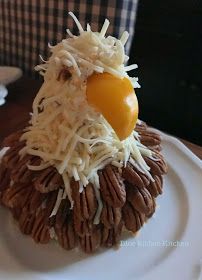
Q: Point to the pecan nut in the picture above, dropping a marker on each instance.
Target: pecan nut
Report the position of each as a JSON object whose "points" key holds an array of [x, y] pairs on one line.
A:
{"points": [[153, 208], [36, 222], [16, 212], [11, 139], [11, 158], [140, 199], [26, 222], [50, 203], [85, 203], [35, 200], [82, 227], [149, 138], [21, 173], [63, 213], [89, 243], [157, 165], [48, 180], [133, 176], [66, 235], [140, 126], [155, 149], [110, 216], [4, 177], [155, 188], [112, 187], [17, 195], [111, 236], [40, 229], [133, 219]]}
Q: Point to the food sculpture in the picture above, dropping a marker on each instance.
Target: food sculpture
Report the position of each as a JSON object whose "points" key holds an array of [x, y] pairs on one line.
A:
{"points": [[85, 169]]}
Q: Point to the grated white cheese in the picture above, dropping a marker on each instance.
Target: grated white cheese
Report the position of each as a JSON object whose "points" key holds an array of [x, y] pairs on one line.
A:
{"points": [[57, 203], [77, 22], [104, 28], [52, 233], [39, 167], [124, 37], [64, 130], [11, 183], [3, 152], [131, 67], [99, 200], [68, 188]]}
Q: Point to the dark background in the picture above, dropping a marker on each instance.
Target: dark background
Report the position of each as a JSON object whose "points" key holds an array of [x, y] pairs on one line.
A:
{"points": [[168, 49]]}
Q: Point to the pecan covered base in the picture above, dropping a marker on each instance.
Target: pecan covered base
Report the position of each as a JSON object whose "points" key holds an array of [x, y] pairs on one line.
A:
{"points": [[128, 198]]}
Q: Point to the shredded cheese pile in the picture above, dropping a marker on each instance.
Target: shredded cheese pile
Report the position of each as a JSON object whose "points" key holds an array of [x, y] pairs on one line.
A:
{"points": [[64, 130], [87, 53]]}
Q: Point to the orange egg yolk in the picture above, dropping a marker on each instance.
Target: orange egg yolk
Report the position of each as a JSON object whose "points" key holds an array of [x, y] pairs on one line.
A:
{"points": [[116, 100]]}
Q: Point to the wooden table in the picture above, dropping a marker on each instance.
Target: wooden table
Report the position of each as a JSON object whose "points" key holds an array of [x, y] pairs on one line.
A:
{"points": [[15, 112]]}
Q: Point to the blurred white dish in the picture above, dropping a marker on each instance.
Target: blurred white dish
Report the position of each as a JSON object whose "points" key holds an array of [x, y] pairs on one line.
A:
{"points": [[3, 94], [168, 246], [9, 74]]}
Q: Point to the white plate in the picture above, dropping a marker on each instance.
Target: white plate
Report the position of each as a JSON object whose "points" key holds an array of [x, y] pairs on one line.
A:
{"points": [[9, 74], [168, 247]]}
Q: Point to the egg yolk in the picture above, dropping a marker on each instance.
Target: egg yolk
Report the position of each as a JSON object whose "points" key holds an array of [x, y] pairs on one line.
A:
{"points": [[116, 100]]}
